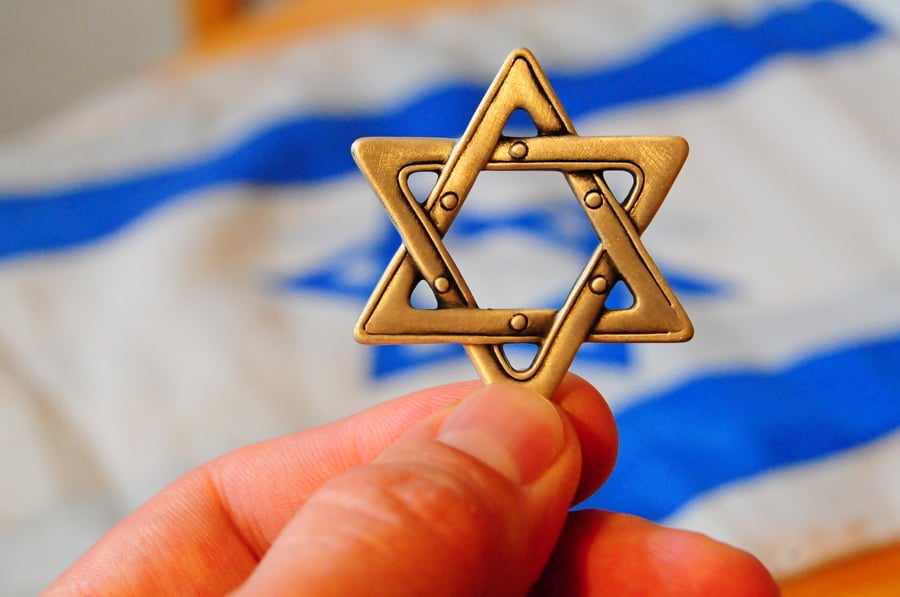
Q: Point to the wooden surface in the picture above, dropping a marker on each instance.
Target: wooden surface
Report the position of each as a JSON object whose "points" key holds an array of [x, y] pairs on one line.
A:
{"points": [[874, 573], [221, 27]]}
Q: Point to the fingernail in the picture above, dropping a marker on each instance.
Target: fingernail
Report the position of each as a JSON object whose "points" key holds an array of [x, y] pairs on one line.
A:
{"points": [[513, 430]]}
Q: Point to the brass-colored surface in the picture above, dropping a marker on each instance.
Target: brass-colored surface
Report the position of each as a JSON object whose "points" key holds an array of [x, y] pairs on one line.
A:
{"points": [[389, 317]]}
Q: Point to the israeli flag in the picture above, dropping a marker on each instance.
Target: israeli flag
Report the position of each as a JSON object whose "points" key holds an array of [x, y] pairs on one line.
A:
{"points": [[183, 259]]}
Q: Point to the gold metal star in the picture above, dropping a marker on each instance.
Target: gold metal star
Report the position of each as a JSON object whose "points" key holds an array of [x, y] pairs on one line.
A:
{"points": [[654, 162]]}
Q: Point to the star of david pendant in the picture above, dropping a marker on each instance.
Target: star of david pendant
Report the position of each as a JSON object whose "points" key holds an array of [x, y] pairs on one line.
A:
{"points": [[390, 318]]}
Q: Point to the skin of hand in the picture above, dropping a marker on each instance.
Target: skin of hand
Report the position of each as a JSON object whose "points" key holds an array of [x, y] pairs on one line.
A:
{"points": [[456, 490]]}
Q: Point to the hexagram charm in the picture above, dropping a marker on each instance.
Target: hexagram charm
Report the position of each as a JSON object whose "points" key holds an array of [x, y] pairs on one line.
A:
{"points": [[654, 162]]}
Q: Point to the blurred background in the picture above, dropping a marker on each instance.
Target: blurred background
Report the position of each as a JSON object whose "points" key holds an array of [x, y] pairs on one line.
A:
{"points": [[56, 53], [186, 244]]}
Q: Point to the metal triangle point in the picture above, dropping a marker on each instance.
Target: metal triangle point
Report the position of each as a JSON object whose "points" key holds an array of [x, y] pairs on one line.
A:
{"points": [[653, 161]]}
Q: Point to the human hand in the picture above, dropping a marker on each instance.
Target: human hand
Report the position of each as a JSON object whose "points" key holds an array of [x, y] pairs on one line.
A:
{"points": [[423, 495]]}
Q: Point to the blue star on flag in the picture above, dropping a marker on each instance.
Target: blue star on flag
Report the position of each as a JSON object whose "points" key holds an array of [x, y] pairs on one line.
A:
{"points": [[353, 272]]}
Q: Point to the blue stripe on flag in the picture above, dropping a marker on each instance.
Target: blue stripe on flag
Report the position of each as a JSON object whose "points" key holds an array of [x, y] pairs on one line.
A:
{"points": [[315, 148], [727, 427]]}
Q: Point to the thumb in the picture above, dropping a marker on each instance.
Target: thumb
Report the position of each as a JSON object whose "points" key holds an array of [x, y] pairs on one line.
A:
{"points": [[468, 502]]}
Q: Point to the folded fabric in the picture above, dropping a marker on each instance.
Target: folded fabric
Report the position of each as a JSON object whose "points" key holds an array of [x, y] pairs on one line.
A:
{"points": [[183, 258]]}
